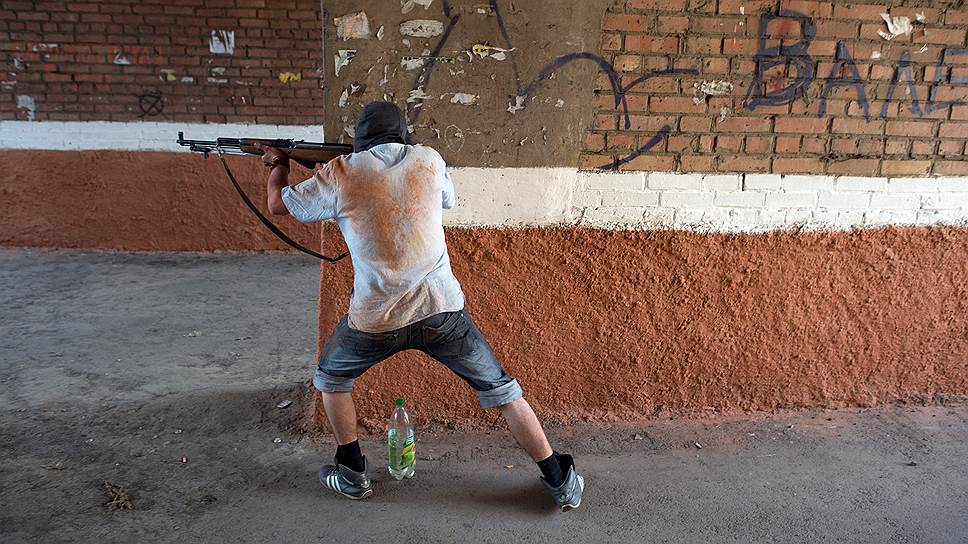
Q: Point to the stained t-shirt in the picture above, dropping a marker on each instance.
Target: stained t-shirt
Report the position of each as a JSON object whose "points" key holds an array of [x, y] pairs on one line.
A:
{"points": [[388, 202]]}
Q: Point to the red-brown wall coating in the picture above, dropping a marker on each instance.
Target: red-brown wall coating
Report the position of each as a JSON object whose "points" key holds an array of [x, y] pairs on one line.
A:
{"points": [[623, 325], [136, 201]]}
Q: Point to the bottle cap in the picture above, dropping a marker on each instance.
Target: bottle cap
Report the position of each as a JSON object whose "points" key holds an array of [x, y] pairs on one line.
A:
{"points": [[399, 402]]}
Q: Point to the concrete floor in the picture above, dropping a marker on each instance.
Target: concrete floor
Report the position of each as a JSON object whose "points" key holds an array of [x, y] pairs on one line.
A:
{"points": [[116, 367]]}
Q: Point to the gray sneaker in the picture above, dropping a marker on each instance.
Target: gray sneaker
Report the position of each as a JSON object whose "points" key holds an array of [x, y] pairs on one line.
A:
{"points": [[568, 495], [346, 482]]}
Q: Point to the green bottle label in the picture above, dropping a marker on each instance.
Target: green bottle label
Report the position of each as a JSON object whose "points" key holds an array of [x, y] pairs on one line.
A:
{"points": [[403, 458]]}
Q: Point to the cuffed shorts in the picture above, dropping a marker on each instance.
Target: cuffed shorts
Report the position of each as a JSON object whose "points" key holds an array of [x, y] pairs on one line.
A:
{"points": [[450, 337]]}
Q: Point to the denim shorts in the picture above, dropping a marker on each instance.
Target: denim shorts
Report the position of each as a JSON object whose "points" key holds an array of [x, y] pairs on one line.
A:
{"points": [[450, 337]]}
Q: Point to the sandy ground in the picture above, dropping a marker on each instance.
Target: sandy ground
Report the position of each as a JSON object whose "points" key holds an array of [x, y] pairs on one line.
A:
{"points": [[115, 367]]}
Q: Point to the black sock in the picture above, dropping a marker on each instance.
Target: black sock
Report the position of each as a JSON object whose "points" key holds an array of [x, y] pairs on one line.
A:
{"points": [[551, 470], [350, 456]]}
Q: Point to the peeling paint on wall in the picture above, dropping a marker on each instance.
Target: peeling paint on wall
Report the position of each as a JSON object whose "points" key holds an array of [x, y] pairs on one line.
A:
{"points": [[466, 99], [716, 88], [343, 58], [418, 94], [222, 42], [421, 28], [119, 58], [354, 26], [28, 103], [406, 6], [896, 26]]}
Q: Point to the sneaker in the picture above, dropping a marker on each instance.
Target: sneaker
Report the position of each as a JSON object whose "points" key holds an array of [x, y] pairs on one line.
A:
{"points": [[568, 495], [346, 482]]}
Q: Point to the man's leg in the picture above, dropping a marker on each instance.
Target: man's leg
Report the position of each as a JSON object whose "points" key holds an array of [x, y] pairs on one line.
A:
{"points": [[347, 354], [341, 413], [453, 339], [526, 429]]}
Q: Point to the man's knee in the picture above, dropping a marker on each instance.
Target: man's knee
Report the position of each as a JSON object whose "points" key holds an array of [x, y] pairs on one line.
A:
{"points": [[500, 395], [328, 383]]}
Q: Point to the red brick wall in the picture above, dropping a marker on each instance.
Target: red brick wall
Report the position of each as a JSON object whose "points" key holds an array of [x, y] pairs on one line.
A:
{"points": [[63, 55], [775, 122]]}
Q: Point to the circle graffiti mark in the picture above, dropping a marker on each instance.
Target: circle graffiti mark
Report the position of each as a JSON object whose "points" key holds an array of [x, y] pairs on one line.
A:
{"points": [[151, 103]]}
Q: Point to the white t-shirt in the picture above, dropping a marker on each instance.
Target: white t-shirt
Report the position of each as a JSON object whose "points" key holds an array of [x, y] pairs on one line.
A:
{"points": [[388, 202]]}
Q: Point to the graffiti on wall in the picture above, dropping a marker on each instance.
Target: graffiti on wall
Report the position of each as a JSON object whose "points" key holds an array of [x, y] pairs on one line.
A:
{"points": [[844, 72], [524, 89], [775, 56]]}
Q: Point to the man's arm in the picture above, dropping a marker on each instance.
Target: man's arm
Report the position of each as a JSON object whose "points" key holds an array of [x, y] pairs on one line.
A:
{"points": [[278, 164], [448, 200]]}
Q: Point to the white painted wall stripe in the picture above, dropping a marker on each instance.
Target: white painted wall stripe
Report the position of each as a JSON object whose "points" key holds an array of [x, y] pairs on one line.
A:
{"points": [[139, 136], [515, 197]]}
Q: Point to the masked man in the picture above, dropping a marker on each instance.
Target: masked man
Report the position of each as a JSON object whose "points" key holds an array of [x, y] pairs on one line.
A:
{"points": [[388, 199]]}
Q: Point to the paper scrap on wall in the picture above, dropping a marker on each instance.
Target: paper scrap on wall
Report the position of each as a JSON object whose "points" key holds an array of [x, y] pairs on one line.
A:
{"points": [[222, 42], [354, 26], [421, 28], [343, 58], [896, 26], [466, 99]]}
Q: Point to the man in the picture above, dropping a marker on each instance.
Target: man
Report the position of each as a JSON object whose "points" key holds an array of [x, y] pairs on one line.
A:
{"points": [[388, 199]]}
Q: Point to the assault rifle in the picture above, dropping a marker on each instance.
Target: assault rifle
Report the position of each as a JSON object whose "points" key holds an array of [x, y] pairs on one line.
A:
{"points": [[308, 154]]}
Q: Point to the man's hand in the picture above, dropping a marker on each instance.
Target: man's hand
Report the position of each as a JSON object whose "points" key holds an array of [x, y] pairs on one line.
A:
{"points": [[273, 156], [278, 164]]}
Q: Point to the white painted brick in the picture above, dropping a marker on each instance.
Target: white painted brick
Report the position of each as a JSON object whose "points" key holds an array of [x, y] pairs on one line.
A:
{"points": [[583, 199], [928, 217], [628, 198], [761, 181], [798, 217], [740, 199], [823, 218], [683, 199], [659, 217], [742, 220], [715, 218], [510, 196], [952, 217], [690, 217], [945, 201], [727, 182], [844, 201], [806, 183], [848, 219], [878, 218], [611, 215], [895, 201], [631, 181], [773, 218], [83, 135], [905, 217], [791, 200], [912, 185], [953, 184], [848, 183], [944, 217], [664, 180]]}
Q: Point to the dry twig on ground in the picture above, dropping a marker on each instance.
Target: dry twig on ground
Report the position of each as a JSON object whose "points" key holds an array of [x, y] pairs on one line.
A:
{"points": [[117, 497]]}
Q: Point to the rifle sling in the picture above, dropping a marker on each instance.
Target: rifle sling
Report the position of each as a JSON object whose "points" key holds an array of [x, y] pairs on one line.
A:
{"points": [[269, 225]]}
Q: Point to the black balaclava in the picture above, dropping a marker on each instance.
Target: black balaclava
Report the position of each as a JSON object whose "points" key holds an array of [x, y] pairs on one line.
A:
{"points": [[379, 123]]}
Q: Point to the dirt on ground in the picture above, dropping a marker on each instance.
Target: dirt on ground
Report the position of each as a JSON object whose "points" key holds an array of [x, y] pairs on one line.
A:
{"points": [[139, 399]]}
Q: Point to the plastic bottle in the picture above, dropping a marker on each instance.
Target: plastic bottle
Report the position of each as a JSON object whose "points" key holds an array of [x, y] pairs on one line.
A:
{"points": [[402, 443]]}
